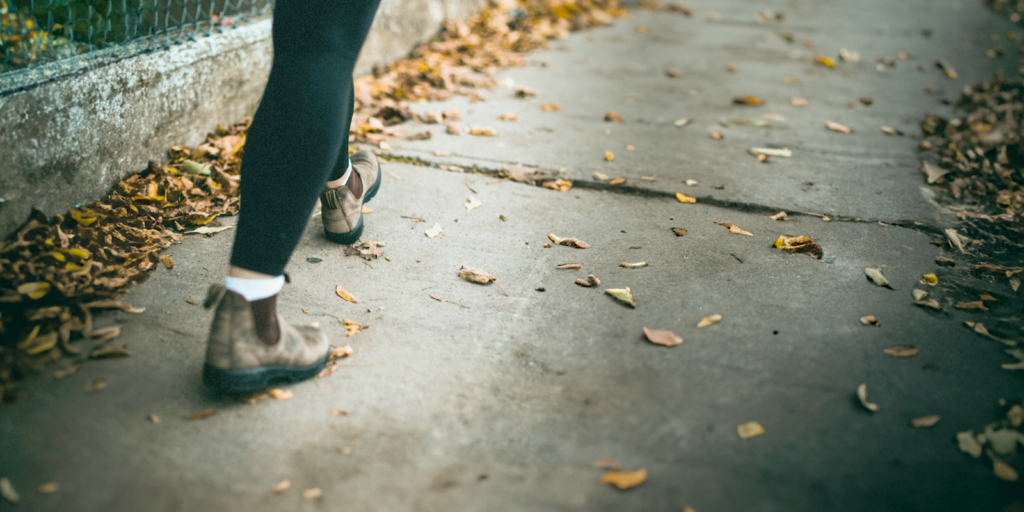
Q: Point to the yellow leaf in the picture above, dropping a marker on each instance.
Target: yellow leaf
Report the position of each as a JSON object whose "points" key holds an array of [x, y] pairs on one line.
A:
{"points": [[36, 290], [344, 294], [350, 326], [58, 256], [930, 279], [609, 156], [30, 338], [43, 343], [825, 61], [551, 107], [81, 253], [167, 261], [625, 479], [624, 295], [683, 198], [82, 218], [750, 429]]}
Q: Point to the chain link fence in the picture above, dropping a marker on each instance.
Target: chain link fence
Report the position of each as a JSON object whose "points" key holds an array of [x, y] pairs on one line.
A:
{"points": [[34, 32]]}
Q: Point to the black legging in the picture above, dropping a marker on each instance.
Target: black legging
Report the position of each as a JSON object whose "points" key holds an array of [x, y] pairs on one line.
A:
{"points": [[299, 137]]}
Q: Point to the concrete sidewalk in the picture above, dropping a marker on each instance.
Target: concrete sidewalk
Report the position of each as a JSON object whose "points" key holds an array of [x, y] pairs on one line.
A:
{"points": [[505, 404]]}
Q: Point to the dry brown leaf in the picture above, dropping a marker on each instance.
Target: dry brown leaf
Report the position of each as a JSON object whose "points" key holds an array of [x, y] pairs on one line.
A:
{"points": [[836, 127], [870, 320], [167, 261], [560, 184], [614, 117], [924, 422], [717, 135], [508, 116], [665, 338], [626, 264], [475, 275], [888, 130], [709, 320], [734, 229], [862, 395], [208, 231], [625, 479], [903, 351], [154, 419], [977, 304], [798, 102], [779, 216], [569, 266], [569, 242], [617, 181], [610, 464], [930, 303], [344, 294], [594, 281], [280, 394], [748, 100], [109, 352], [205, 413], [750, 429], [583, 282], [350, 326], [683, 198], [367, 250], [679, 231], [483, 131], [800, 244], [337, 412], [551, 107], [48, 488], [312, 494], [282, 486]]}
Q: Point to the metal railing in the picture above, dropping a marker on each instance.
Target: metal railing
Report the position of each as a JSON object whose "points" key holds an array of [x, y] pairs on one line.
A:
{"points": [[34, 32]]}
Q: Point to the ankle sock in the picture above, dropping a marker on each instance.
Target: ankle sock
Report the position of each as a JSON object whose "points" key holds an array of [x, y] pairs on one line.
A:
{"points": [[255, 289], [348, 174]]}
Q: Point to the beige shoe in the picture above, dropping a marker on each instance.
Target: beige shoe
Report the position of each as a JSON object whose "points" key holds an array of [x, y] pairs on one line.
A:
{"points": [[245, 355], [342, 212]]}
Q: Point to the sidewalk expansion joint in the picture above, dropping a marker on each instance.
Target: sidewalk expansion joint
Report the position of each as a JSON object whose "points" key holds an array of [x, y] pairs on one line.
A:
{"points": [[548, 175]]}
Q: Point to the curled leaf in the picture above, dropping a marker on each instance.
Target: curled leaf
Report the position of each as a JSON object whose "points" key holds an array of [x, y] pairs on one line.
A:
{"points": [[836, 127], [568, 242], [626, 264], [475, 275], [930, 279], [870, 320], [282, 486], [281, 394], [976, 304], [344, 294], [683, 198], [875, 275], [734, 229], [568, 266], [433, 231], [561, 185], [709, 320], [779, 152], [862, 394]]}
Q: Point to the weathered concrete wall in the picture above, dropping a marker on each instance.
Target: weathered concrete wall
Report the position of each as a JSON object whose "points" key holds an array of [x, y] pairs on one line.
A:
{"points": [[69, 140]]}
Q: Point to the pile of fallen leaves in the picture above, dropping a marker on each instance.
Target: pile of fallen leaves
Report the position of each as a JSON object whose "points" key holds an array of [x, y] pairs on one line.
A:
{"points": [[977, 159], [54, 272], [463, 57]]}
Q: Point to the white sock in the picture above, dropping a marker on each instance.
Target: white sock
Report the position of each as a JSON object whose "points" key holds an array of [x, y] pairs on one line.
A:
{"points": [[348, 174], [255, 289]]}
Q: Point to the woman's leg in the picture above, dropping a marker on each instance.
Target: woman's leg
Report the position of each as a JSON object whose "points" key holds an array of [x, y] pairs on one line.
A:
{"points": [[299, 137]]}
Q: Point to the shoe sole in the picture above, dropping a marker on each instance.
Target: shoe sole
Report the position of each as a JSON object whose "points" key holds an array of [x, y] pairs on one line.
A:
{"points": [[353, 236], [235, 382]]}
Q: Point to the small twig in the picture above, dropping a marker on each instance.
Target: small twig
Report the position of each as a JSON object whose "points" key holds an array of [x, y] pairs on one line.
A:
{"points": [[470, 188], [500, 288], [378, 299], [439, 299], [393, 175]]}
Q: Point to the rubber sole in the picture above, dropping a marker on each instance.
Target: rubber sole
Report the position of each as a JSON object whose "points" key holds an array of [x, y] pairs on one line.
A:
{"points": [[236, 382], [353, 236]]}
